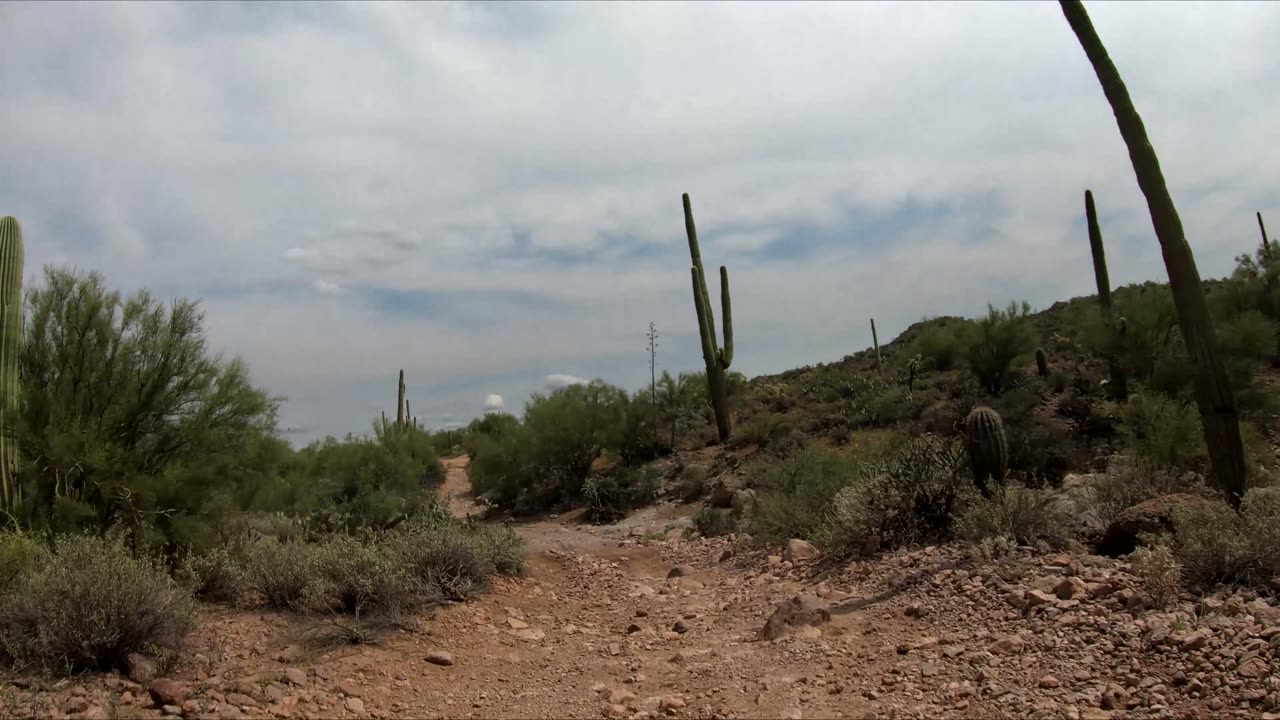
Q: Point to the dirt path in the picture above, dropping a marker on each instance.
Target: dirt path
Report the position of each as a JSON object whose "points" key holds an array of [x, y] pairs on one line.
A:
{"points": [[598, 629]]}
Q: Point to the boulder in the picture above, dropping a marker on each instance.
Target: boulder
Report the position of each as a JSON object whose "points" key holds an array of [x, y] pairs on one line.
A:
{"points": [[1154, 516], [799, 611]]}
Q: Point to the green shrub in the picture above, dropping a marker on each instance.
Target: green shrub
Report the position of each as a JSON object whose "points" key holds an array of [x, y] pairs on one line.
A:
{"points": [[216, 576], [279, 572], [357, 578], [794, 494], [610, 497], [693, 482], [997, 340], [91, 605], [1164, 432], [445, 561], [904, 498], [714, 522], [942, 345], [19, 554], [1021, 514], [501, 547], [1215, 545]]}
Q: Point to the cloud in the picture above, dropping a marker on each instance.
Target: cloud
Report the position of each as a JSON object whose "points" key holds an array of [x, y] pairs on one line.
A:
{"points": [[291, 164], [494, 403], [555, 381]]}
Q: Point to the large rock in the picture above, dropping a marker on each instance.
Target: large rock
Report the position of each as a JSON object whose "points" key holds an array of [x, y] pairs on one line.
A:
{"points": [[1154, 516], [798, 550], [721, 495], [799, 611]]}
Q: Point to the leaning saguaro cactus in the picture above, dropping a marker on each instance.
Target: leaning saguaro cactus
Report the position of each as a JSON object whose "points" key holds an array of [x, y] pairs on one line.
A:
{"points": [[717, 359], [1119, 383], [1214, 396], [875, 340], [10, 339], [988, 449]]}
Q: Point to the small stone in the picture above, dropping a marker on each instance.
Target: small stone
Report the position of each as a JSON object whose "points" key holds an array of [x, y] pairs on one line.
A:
{"points": [[171, 710], [1008, 645], [75, 705], [615, 649], [439, 657], [619, 696], [164, 691], [798, 550], [680, 571], [633, 628], [671, 703], [680, 627], [295, 676], [516, 624], [241, 700], [1049, 681], [641, 612], [355, 705], [142, 669]]}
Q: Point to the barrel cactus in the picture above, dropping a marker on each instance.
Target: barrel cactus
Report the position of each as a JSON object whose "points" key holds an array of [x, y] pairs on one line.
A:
{"points": [[987, 446], [1042, 362]]}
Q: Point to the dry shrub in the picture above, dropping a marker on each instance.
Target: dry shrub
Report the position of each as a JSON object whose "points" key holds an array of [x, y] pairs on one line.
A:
{"points": [[1159, 572], [91, 604]]}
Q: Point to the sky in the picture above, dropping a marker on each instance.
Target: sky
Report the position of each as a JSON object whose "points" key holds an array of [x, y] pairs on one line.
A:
{"points": [[488, 195]]}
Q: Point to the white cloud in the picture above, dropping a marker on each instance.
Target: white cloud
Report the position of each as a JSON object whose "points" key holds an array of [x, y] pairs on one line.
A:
{"points": [[313, 157], [559, 380], [494, 403]]}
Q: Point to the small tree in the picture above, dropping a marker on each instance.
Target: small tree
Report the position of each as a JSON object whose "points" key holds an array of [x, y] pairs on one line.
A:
{"points": [[997, 340]]}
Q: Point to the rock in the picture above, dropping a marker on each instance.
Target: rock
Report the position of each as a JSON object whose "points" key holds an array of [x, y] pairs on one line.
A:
{"points": [[798, 550], [295, 676], [725, 554], [680, 571], [799, 611], [142, 669], [615, 649], [1049, 682], [1069, 588], [620, 696], [1154, 516], [1008, 645], [1254, 668], [743, 500], [531, 634], [164, 691], [633, 628], [671, 703], [439, 657], [680, 627], [615, 711], [348, 688], [241, 700], [171, 710], [516, 624], [721, 495], [355, 705], [75, 705]]}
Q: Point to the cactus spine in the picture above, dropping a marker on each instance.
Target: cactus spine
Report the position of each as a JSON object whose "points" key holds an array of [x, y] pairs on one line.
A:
{"points": [[1119, 383], [717, 359], [1042, 362], [11, 259], [988, 449], [875, 340], [1214, 396]]}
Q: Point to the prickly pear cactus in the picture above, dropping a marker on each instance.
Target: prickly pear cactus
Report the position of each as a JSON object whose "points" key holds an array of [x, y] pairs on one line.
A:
{"points": [[1042, 362], [987, 446]]}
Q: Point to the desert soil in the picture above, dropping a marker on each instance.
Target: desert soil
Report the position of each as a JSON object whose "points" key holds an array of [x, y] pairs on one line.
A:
{"points": [[599, 629]]}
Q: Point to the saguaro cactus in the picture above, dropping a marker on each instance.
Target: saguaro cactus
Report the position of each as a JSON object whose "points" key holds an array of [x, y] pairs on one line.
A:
{"points": [[1266, 246], [1042, 362], [717, 359], [400, 403], [10, 339], [1119, 382], [875, 340], [1213, 392], [988, 449]]}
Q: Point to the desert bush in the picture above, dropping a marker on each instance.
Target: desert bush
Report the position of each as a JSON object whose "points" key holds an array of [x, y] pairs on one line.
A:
{"points": [[996, 341], [714, 522], [942, 346], [760, 430], [1021, 514], [1216, 545], [1159, 572], [217, 575], [445, 561], [1129, 481], [279, 572], [610, 497], [1164, 432], [693, 482], [794, 494], [877, 403], [501, 547], [357, 578], [904, 498], [20, 553], [89, 606]]}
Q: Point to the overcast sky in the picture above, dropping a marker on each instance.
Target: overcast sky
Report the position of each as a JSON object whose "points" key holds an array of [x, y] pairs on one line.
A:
{"points": [[488, 195]]}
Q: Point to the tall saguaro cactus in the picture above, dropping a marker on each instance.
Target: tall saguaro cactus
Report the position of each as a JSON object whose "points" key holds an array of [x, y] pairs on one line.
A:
{"points": [[400, 401], [1119, 383], [10, 339], [1213, 392], [717, 359], [875, 340]]}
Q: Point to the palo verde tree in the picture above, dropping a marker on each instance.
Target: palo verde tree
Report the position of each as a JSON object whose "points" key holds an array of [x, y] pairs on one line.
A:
{"points": [[123, 407], [1213, 390]]}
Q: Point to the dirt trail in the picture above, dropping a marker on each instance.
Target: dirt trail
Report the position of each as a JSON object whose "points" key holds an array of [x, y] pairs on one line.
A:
{"points": [[598, 629]]}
